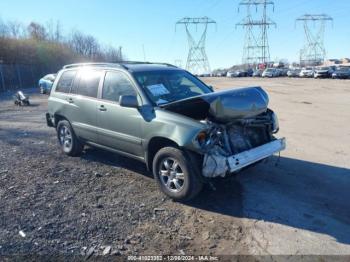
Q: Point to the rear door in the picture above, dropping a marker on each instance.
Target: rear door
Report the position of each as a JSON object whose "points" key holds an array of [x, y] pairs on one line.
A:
{"points": [[83, 99], [119, 127]]}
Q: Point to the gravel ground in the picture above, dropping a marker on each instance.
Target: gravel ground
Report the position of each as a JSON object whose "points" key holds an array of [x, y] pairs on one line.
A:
{"points": [[102, 203], [69, 205]]}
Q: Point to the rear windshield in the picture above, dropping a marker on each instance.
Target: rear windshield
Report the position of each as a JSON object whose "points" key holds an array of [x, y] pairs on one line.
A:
{"points": [[169, 86]]}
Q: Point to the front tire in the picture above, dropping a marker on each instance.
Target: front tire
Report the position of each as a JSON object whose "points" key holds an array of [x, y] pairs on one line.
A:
{"points": [[67, 139], [177, 177]]}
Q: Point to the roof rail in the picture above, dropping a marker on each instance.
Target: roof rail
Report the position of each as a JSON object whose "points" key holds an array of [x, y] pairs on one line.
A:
{"points": [[121, 64], [91, 64], [148, 63]]}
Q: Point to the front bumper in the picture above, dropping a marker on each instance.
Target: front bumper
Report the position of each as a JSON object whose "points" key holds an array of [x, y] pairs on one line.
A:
{"points": [[216, 165]]}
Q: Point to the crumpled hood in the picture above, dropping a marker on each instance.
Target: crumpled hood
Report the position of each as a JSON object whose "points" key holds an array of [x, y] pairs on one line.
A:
{"points": [[224, 106]]}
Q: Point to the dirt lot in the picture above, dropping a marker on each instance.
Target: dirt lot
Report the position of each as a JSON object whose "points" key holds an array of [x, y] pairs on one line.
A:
{"points": [[53, 204]]}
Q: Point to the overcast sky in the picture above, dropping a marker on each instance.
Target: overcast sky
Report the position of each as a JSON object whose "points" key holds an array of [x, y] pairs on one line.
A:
{"points": [[151, 23]]}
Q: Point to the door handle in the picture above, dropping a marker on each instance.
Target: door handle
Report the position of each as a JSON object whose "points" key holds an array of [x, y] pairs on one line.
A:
{"points": [[70, 100], [102, 108]]}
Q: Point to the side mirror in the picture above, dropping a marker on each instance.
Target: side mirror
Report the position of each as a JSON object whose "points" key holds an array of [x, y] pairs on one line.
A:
{"points": [[211, 88], [128, 101]]}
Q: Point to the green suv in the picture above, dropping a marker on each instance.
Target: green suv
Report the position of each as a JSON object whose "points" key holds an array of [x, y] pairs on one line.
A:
{"points": [[164, 116]]}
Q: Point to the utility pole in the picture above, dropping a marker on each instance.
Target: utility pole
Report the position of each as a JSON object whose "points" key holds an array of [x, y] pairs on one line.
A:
{"points": [[120, 53], [197, 60], [314, 52], [256, 45]]}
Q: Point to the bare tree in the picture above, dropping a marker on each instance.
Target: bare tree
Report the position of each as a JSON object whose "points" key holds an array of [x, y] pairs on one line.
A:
{"points": [[37, 31], [16, 29], [3, 29], [85, 45], [54, 31], [112, 54]]}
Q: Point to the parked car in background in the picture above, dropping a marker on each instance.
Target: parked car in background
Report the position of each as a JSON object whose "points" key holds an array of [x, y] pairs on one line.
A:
{"points": [[165, 117], [294, 72], [307, 72], [257, 73], [250, 72], [205, 75], [323, 72], [270, 72], [220, 74], [283, 71], [240, 73], [341, 73], [45, 83], [230, 74]]}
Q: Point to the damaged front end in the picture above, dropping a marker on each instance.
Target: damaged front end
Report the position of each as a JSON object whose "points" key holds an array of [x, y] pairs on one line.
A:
{"points": [[232, 146], [240, 129]]}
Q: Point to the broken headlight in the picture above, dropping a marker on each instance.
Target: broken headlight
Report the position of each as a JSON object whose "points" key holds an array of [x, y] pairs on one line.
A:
{"points": [[208, 138]]}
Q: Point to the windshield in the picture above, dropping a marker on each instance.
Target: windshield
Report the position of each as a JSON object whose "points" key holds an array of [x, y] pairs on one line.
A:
{"points": [[270, 70], [169, 86]]}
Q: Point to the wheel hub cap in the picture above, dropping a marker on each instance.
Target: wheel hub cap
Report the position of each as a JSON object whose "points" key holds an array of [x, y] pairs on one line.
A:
{"points": [[171, 175], [65, 137]]}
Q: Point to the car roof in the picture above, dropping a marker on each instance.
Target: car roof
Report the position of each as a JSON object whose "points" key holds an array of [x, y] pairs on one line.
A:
{"points": [[129, 66], [149, 67]]}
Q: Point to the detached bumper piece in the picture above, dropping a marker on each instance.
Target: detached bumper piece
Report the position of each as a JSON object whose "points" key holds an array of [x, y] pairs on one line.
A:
{"points": [[217, 165]]}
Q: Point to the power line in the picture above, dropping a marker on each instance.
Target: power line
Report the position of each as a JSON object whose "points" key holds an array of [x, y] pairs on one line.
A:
{"points": [[197, 60]]}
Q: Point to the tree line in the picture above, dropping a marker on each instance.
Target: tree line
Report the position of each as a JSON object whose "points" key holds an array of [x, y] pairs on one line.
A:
{"points": [[45, 47]]}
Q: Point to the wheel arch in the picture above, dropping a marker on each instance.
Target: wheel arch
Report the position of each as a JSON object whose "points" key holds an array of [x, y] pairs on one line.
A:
{"points": [[154, 145], [58, 118]]}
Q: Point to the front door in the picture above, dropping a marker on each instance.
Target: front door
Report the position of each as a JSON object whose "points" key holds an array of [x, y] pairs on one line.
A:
{"points": [[118, 127]]}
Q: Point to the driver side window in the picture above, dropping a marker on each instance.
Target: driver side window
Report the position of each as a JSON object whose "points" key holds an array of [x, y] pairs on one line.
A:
{"points": [[115, 85]]}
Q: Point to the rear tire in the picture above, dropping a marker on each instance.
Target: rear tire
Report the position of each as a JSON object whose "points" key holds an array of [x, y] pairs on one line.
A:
{"points": [[67, 139], [177, 176]]}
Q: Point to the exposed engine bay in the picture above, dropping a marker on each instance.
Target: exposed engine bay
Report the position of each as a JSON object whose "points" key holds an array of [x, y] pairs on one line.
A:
{"points": [[240, 128], [225, 140]]}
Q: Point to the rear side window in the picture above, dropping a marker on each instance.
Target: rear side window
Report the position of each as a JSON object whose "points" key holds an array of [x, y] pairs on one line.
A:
{"points": [[116, 84], [89, 82], [66, 81]]}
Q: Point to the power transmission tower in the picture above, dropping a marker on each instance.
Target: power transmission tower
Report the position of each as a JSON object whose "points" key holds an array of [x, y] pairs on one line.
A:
{"points": [[314, 51], [256, 45], [197, 60]]}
